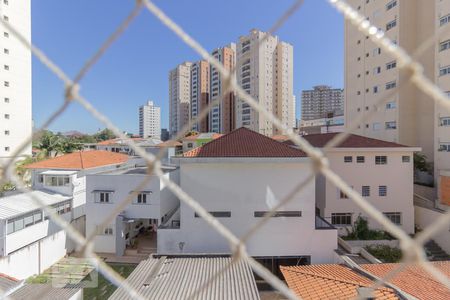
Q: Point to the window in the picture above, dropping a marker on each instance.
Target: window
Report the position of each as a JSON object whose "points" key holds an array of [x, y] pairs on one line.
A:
{"points": [[40, 178], [6, 67], [375, 89], [217, 214], [445, 147], [6, 2], [342, 195], [376, 126], [6, 83], [365, 191], [395, 217], [381, 160], [360, 159], [444, 45], [6, 132], [6, 51], [444, 20], [190, 145], [391, 105], [391, 4], [382, 191], [377, 70], [143, 198], [5, 34], [6, 18], [391, 125], [6, 149], [444, 71], [391, 25], [104, 197], [57, 181], [391, 65], [406, 158], [445, 121], [6, 100], [108, 230], [278, 214], [341, 219], [376, 51], [348, 159], [391, 85]]}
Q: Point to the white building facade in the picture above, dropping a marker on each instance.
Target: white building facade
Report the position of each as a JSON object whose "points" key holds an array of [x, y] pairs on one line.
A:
{"points": [[238, 191], [150, 120], [15, 80], [266, 73], [179, 97]]}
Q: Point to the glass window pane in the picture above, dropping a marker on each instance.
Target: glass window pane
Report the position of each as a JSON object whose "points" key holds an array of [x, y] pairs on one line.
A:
{"points": [[10, 227], [18, 224]]}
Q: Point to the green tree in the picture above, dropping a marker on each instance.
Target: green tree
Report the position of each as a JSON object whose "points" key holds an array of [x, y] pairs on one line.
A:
{"points": [[421, 163], [105, 134], [50, 143]]}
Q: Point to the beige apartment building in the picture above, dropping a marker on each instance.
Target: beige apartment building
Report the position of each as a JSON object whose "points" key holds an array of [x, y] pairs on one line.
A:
{"points": [[222, 116], [266, 73], [199, 94], [179, 97], [371, 74]]}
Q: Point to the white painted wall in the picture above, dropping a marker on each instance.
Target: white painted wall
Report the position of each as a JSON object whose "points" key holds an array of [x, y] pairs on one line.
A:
{"points": [[396, 175], [244, 186], [35, 258], [425, 217], [161, 201]]}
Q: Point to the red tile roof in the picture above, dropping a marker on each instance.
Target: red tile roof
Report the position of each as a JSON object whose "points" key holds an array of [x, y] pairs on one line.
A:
{"points": [[243, 142], [352, 141], [340, 282], [80, 160], [329, 282], [414, 280], [169, 143]]}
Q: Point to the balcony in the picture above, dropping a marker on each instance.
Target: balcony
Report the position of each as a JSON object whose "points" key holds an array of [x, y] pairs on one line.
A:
{"points": [[322, 224]]}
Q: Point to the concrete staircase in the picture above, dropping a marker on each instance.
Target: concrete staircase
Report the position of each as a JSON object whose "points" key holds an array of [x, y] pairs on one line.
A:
{"points": [[434, 252]]}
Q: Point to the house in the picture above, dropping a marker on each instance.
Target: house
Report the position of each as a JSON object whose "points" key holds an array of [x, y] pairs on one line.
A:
{"points": [[197, 140], [151, 205], [120, 145], [174, 278], [341, 282], [66, 174], [382, 172], [238, 178], [30, 241]]}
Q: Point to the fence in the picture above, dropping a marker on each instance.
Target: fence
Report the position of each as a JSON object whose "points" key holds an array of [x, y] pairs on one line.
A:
{"points": [[412, 247]]}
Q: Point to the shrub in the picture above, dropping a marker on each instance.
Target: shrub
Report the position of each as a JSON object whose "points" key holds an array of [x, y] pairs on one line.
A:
{"points": [[361, 231], [385, 253]]}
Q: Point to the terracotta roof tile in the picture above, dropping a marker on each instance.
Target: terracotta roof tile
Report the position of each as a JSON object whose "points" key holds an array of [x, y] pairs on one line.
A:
{"points": [[414, 280], [170, 143], [81, 160], [244, 142], [352, 141], [329, 282]]}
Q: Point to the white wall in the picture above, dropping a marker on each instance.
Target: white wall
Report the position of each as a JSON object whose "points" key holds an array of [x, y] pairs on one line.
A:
{"points": [[161, 201], [396, 175], [35, 258], [425, 217], [244, 186]]}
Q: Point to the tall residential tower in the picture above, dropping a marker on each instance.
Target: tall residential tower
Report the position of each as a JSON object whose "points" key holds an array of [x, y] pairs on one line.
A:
{"points": [[150, 120], [15, 85], [199, 94], [321, 102], [179, 97], [266, 73]]}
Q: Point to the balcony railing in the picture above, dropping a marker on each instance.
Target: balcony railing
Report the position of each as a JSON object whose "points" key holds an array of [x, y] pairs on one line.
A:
{"points": [[322, 224]]}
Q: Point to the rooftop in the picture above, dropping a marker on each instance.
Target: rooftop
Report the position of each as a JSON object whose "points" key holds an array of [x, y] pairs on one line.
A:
{"points": [[81, 160], [352, 141], [45, 292], [179, 278], [205, 135], [170, 143], [340, 282], [119, 141], [7, 282], [244, 142], [20, 204]]}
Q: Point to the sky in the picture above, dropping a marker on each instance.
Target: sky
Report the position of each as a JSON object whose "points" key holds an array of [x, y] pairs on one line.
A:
{"points": [[135, 69]]}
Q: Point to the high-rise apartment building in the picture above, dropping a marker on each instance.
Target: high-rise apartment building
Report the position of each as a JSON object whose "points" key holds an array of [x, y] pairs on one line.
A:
{"points": [[222, 115], [200, 94], [179, 97], [150, 120], [371, 74], [266, 73], [15, 85], [321, 102]]}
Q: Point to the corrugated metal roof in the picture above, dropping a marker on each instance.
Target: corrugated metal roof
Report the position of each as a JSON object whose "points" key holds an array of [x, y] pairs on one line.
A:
{"points": [[19, 204], [44, 292], [180, 278], [7, 282]]}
